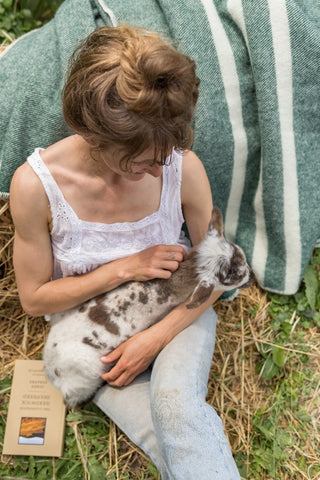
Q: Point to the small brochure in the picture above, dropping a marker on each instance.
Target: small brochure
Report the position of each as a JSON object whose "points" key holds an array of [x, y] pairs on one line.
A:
{"points": [[36, 416]]}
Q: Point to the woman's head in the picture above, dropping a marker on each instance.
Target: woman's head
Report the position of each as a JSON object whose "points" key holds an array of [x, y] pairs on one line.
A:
{"points": [[128, 89]]}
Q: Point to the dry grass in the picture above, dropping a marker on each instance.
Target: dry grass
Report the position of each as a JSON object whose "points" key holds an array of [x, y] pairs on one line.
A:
{"points": [[236, 390]]}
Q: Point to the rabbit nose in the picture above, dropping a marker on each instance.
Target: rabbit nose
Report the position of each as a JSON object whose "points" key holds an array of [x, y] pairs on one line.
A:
{"points": [[251, 279]]}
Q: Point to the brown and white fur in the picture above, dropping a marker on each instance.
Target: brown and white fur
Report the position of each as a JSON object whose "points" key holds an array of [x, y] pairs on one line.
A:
{"points": [[80, 336]]}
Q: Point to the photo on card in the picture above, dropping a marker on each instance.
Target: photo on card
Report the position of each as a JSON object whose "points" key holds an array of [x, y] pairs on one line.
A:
{"points": [[32, 431]]}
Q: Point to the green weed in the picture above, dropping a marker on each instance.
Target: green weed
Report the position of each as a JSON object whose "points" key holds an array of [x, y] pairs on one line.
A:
{"points": [[18, 17], [281, 429], [86, 450], [291, 318]]}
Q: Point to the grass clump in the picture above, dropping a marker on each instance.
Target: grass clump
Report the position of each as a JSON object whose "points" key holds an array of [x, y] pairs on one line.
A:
{"points": [[265, 380], [291, 317], [18, 17], [285, 441], [94, 449]]}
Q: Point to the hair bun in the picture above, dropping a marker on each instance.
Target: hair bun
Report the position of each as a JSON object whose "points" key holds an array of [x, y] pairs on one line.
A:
{"points": [[154, 79], [161, 82], [127, 87]]}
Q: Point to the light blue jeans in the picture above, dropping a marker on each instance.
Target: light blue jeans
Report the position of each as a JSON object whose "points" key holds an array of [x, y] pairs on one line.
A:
{"points": [[164, 411]]}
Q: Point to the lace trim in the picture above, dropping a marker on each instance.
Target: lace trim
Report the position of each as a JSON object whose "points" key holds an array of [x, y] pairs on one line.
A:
{"points": [[80, 246], [62, 210]]}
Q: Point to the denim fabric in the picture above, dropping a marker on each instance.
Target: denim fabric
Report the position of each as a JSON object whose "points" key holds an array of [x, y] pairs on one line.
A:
{"points": [[164, 411]]}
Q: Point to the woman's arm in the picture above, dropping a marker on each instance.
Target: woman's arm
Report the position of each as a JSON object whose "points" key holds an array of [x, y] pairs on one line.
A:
{"points": [[136, 354], [33, 260]]}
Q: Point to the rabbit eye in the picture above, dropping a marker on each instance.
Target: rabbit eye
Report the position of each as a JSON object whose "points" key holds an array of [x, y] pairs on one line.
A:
{"points": [[232, 272]]}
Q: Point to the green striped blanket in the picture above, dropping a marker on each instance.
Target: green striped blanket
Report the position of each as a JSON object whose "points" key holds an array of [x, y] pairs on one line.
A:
{"points": [[256, 125]]}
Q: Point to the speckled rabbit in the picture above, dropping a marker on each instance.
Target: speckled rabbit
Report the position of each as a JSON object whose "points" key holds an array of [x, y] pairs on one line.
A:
{"points": [[80, 336]]}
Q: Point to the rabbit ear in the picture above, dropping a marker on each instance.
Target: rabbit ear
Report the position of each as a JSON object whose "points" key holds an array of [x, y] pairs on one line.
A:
{"points": [[216, 221], [200, 294]]}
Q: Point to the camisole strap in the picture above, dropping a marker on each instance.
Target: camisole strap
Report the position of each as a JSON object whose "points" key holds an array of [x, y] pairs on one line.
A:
{"points": [[49, 184], [61, 211]]}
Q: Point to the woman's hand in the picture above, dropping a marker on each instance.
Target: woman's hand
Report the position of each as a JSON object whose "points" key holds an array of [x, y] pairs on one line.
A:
{"points": [[154, 262], [133, 357]]}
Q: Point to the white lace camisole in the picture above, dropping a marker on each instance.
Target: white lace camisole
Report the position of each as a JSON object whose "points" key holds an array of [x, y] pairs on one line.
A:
{"points": [[80, 246]]}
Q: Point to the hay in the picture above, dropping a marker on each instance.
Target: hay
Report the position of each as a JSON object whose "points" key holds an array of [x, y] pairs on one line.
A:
{"points": [[235, 389], [20, 335]]}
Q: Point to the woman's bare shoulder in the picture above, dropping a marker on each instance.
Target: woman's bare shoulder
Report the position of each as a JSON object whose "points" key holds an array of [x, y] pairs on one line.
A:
{"points": [[63, 147], [25, 180], [193, 171], [27, 196], [190, 157], [196, 197]]}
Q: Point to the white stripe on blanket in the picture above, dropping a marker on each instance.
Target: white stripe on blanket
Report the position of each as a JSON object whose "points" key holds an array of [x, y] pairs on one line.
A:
{"points": [[260, 249], [236, 12], [232, 91], [109, 12], [283, 67]]}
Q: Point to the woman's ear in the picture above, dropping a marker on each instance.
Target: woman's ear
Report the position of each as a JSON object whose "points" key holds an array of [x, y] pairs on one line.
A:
{"points": [[89, 140]]}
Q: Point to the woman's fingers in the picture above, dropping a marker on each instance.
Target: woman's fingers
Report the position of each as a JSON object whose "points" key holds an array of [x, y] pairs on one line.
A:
{"points": [[168, 256], [155, 262], [134, 357]]}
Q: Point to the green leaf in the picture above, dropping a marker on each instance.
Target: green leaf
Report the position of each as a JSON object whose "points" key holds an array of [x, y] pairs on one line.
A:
{"points": [[74, 416], [26, 13], [32, 466], [96, 470], [241, 461], [311, 282], [278, 356], [284, 439], [270, 369], [267, 432], [8, 4], [152, 469], [6, 23], [316, 318]]}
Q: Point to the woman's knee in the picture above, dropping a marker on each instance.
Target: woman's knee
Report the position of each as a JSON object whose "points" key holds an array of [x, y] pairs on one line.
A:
{"points": [[167, 408], [174, 410]]}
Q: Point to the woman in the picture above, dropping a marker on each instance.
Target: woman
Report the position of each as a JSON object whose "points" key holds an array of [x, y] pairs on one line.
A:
{"points": [[106, 206]]}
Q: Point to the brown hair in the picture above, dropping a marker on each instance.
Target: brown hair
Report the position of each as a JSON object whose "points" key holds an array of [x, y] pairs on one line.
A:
{"points": [[129, 89]]}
